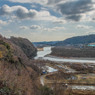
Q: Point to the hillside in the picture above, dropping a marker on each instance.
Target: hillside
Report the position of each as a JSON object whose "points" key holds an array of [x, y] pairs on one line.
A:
{"points": [[78, 40], [25, 45], [70, 41], [45, 43], [17, 75]]}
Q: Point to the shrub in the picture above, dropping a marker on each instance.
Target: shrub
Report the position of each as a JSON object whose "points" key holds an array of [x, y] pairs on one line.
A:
{"points": [[46, 91], [1, 55]]}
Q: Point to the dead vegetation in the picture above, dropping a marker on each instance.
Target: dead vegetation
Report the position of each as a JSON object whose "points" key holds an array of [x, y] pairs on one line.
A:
{"points": [[86, 52], [15, 70]]}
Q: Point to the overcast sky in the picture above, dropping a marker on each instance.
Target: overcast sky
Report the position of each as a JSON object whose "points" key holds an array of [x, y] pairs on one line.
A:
{"points": [[47, 20]]}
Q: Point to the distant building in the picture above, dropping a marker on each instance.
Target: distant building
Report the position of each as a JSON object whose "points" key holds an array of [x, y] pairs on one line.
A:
{"points": [[91, 44]]}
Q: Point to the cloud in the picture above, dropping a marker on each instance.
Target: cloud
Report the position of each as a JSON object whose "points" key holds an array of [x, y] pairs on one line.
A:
{"points": [[35, 27], [75, 9], [24, 27], [3, 22], [55, 2], [23, 13], [59, 21], [30, 1], [38, 27], [19, 11], [84, 26], [53, 29], [42, 2], [8, 31], [45, 15], [90, 32]]}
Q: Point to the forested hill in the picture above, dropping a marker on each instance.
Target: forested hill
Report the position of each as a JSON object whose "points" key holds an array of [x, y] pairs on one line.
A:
{"points": [[17, 72], [27, 47], [70, 41], [78, 40]]}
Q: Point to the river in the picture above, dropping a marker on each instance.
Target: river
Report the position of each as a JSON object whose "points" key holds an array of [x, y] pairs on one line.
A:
{"points": [[47, 50]]}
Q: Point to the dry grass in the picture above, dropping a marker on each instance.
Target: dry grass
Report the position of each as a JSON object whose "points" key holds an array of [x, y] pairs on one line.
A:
{"points": [[18, 80], [82, 92]]}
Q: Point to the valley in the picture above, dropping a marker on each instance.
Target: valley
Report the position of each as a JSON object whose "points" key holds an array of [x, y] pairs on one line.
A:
{"points": [[75, 74], [45, 70]]}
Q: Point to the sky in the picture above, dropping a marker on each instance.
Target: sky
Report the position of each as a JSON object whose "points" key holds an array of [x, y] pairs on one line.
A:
{"points": [[47, 20]]}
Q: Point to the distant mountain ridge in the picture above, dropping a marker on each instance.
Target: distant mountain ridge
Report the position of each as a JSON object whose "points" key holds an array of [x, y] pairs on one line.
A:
{"points": [[70, 41], [78, 40], [45, 43]]}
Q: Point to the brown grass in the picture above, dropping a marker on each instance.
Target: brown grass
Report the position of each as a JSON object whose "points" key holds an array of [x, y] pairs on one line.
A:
{"points": [[18, 80]]}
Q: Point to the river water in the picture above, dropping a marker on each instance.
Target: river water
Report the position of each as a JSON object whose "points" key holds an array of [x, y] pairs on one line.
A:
{"points": [[42, 54], [47, 50]]}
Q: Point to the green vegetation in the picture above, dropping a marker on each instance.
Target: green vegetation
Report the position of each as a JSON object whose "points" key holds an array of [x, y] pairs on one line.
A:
{"points": [[77, 40], [70, 41], [9, 55], [5, 90], [46, 90]]}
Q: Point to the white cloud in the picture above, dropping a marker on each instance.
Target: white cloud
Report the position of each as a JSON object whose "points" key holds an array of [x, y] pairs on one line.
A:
{"points": [[30, 1], [24, 27], [7, 31], [76, 10], [90, 32], [38, 27], [3, 22], [45, 15], [21, 12], [54, 29], [18, 11], [35, 27], [84, 26], [43, 2], [59, 21]]}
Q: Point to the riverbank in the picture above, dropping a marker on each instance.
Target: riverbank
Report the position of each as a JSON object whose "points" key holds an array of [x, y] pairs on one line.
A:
{"points": [[71, 60], [78, 76], [77, 52], [45, 55], [77, 58]]}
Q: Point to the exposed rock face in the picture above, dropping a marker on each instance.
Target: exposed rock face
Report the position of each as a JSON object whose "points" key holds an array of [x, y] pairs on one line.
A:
{"points": [[26, 46]]}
